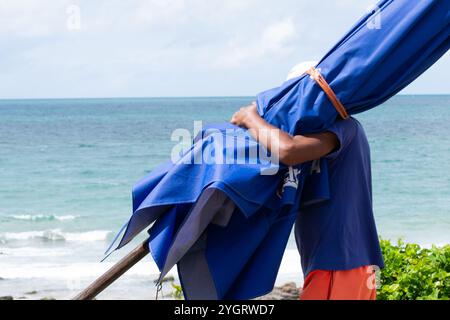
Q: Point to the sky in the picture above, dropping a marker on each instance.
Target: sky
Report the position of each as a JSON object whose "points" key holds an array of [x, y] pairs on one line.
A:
{"points": [[167, 48]]}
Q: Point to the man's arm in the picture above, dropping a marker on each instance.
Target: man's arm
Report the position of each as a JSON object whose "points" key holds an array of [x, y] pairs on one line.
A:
{"points": [[290, 150]]}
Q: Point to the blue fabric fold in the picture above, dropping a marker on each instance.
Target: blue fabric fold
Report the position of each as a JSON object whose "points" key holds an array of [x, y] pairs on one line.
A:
{"points": [[366, 67], [240, 259]]}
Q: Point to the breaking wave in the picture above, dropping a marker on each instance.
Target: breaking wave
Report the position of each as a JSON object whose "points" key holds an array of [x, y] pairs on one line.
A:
{"points": [[56, 235], [42, 217]]}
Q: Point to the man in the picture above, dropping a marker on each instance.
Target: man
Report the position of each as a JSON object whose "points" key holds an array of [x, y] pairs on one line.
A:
{"points": [[337, 238]]}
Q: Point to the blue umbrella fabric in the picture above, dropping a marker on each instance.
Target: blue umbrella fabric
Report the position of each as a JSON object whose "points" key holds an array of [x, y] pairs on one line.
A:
{"points": [[384, 52], [201, 211], [182, 182], [226, 225]]}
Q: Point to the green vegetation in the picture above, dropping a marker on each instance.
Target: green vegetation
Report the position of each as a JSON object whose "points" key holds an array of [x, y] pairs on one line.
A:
{"points": [[414, 273], [410, 273], [31, 292], [177, 292]]}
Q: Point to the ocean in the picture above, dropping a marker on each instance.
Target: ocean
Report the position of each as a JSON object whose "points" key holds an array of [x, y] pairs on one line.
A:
{"points": [[67, 168]]}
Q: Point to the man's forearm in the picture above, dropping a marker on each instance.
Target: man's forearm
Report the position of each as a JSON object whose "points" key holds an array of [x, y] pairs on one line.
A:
{"points": [[289, 150], [269, 136]]}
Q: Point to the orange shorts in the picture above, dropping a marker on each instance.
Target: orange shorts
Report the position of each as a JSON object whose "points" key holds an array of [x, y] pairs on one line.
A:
{"points": [[355, 284]]}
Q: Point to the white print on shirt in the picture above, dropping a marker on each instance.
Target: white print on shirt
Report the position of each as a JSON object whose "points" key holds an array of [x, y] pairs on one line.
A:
{"points": [[315, 166], [291, 178]]}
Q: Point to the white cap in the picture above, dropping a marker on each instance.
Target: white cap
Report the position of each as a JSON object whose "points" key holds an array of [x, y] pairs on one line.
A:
{"points": [[300, 69]]}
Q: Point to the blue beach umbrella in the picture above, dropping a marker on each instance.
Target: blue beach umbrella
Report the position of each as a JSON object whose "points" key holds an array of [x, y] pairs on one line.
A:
{"points": [[201, 211], [226, 225], [385, 51]]}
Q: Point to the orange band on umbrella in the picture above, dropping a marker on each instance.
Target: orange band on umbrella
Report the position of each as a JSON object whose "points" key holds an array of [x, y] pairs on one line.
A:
{"points": [[320, 80]]}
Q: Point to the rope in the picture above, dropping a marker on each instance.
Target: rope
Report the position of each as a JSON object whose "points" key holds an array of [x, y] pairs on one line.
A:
{"points": [[158, 290], [320, 80]]}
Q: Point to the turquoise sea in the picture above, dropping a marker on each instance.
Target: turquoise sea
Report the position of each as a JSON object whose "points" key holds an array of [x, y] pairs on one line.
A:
{"points": [[67, 168]]}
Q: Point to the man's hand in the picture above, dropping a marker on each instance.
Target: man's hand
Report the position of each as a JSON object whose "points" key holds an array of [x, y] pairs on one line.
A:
{"points": [[291, 150], [245, 116]]}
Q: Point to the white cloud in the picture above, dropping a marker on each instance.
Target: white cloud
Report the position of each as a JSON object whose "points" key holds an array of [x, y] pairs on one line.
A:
{"points": [[279, 35], [275, 39], [28, 18], [166, 47]]}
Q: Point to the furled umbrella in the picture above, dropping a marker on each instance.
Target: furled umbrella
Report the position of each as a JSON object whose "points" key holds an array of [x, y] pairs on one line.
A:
{"points": [[226, 226]]}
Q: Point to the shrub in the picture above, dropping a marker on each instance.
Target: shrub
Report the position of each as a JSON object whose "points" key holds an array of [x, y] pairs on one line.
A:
{"points": [[414, 273], [177, 292]]}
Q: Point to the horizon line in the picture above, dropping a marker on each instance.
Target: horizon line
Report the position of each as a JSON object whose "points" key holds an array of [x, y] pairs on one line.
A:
{"points": [[186, 97]]}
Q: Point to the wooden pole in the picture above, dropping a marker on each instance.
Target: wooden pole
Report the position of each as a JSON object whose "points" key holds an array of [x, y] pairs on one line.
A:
{"points": [[114, 273]]}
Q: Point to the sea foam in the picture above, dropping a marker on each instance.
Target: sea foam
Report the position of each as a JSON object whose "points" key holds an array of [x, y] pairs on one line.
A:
{"points": [[56, 235], [42, 217]]}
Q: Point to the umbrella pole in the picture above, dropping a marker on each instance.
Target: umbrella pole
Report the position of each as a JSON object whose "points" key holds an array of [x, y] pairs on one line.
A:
{"points": [[114, 273]]}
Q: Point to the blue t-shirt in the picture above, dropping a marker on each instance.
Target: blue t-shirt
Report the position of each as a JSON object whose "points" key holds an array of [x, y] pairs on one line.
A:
{"points": [[340, 233]]}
